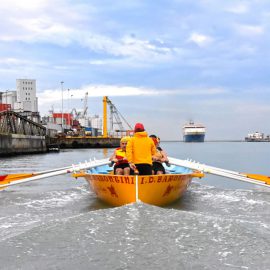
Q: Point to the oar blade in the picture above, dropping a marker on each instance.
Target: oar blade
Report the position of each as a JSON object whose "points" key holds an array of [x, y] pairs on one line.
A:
{"points": [[23, 178], [3, 182], [78, 174], [18, 176], [198, 174], [260, 177], [8, 178]]}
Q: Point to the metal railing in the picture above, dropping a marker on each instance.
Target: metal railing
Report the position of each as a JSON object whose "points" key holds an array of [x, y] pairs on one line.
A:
{"points": [[14, 123]]}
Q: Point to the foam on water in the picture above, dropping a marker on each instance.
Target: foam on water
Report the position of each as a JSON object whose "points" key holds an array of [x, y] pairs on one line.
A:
{"points": [[125, 235], [26, 213]]}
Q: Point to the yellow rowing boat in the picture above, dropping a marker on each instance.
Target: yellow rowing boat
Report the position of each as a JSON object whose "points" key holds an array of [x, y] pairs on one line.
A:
{"points": [[119, 190], [157, 190]]}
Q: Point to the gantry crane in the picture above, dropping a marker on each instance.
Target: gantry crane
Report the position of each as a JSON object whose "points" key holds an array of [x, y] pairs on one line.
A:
{"points": [[115, 118]]}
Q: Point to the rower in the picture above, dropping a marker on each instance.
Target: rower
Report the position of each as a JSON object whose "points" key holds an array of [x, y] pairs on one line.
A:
{"points": [[121, 165], [140, 150], [159, 157]]}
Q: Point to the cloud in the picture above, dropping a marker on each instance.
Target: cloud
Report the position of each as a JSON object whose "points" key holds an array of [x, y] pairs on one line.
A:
{"points": [[125, 48], [239, 8], [49, 95], [12, 61], [36, 22], [252, 109], [26, 5], [40, 20], [64, 25], [249, 30], [19, 62], [199, 39]]}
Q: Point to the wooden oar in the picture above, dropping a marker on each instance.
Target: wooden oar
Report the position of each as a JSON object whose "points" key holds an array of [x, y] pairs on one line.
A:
{"points": [[15, 176], [56, 172], [257, 179]]}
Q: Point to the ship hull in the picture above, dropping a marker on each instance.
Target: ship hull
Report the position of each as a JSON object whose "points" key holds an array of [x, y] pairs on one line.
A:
{"points": [[194, 138]]}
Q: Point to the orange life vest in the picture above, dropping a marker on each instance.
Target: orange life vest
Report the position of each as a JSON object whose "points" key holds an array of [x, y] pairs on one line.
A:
{"points": [[158, 155], [120, 154]]}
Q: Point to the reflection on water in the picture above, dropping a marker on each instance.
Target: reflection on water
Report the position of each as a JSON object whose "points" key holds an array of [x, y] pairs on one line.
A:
{"points": [[105, 153]]}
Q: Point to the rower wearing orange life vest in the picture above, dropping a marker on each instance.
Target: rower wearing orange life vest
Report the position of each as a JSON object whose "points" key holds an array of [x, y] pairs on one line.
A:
{"points": [[159, 157], [121, 166]]}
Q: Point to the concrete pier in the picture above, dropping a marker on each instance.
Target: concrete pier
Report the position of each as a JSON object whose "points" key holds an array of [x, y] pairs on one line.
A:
{"points": [[87, 142], [14, 144]]}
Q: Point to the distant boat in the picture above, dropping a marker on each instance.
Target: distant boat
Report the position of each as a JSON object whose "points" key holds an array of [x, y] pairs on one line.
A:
{"points": [[257, 137], [53, 148], [193, 132]]}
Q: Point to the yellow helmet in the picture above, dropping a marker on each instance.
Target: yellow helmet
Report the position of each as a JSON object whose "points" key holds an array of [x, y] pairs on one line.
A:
{"points": [[125, 139]]}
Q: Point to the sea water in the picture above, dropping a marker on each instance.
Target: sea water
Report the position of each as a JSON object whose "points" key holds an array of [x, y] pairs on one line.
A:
{"points": [[57, 223]]}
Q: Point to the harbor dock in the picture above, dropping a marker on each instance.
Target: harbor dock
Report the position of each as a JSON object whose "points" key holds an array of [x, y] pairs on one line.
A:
{"points": [[19, 135], [14, 144], [85, 142], [25, 132]]}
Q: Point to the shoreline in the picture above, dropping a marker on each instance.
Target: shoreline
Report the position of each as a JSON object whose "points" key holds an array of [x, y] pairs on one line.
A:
{"points": [[216, 141]]}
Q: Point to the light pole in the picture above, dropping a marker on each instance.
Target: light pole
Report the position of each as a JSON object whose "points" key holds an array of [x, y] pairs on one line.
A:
{"points": [[6, 100], [62, 122], [71, 103], [68, 101], [68, 109]]}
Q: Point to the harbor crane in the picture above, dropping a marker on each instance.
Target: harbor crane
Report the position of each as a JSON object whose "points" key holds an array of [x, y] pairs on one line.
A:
{"points": [[85, 106], [82, 114], [115, 118], [75, 114]]}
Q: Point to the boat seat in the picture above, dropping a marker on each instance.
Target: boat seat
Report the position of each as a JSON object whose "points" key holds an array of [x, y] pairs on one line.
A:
{"points": [[178, 170], [104, 169], [101, 170], [92, 171]]}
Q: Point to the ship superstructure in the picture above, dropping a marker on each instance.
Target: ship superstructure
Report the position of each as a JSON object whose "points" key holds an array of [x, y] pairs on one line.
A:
{"points": [[193, 132]]}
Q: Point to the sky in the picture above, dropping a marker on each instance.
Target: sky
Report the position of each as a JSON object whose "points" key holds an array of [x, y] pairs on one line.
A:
{"points": [[161, 63]]}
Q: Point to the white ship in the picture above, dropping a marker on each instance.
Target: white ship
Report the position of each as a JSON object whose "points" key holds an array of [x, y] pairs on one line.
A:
{"points": [[257, 137], [193, 132]]}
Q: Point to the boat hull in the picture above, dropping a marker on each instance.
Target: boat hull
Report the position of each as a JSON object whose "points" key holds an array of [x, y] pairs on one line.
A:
{"points": [[157, 190], [194, 138]]}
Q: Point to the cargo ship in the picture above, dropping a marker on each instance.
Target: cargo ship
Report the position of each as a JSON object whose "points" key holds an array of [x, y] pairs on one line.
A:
{"points": [[193, 132]]}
